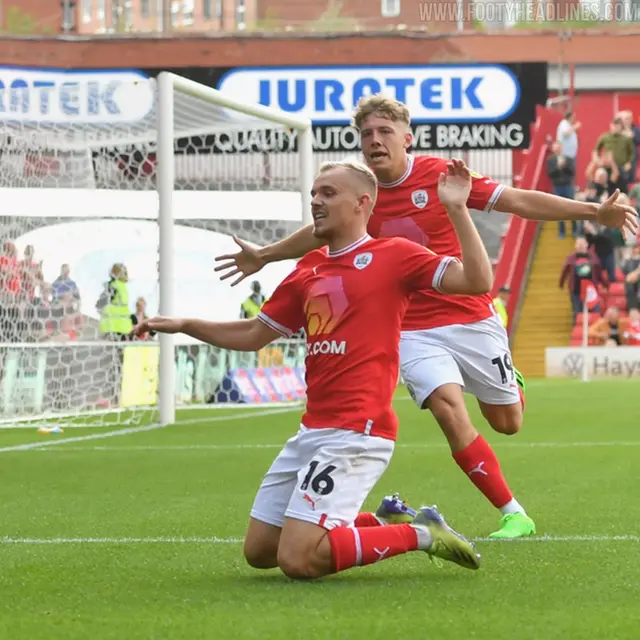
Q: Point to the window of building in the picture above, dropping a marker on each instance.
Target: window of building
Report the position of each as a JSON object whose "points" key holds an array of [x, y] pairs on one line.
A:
{"points": [[100, 12], [127, 17], [68, 17], [87, 11], [175, 13], [188, 9], [207, 9], [390, 8], [145, 11], [219, 9], [241, 20]]}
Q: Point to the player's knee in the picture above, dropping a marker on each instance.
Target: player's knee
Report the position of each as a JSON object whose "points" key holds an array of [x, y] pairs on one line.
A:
{"points": [[260, 560], [260, 556], [297, 565], [506, 419]]}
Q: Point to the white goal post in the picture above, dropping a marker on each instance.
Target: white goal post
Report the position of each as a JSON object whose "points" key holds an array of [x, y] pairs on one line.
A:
{"points": [[99, 169], [168, 85]]}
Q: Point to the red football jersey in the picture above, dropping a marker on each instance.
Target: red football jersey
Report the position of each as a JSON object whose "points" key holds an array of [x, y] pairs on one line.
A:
{"points": [[410, 208], [351, 305]]}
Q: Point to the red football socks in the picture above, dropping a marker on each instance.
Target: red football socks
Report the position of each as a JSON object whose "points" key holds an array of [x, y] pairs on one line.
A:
{"points": [[351, 547], [366, 519], [481, 465]]}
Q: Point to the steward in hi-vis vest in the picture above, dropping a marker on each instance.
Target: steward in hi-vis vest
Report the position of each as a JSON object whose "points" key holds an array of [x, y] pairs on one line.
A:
{"points": [[252, 305]]}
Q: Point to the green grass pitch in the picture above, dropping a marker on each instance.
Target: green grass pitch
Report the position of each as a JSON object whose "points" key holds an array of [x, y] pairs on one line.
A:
{"points": [[138, 536]]}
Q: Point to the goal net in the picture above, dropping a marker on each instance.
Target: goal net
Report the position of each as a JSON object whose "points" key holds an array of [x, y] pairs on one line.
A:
{"points": [[136, 194]]}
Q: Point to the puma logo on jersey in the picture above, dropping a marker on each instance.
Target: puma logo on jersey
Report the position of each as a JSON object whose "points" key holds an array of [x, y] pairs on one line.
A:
{"points": [[420, 198]]}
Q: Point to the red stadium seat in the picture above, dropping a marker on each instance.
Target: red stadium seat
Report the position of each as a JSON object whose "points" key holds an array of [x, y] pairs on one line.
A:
{"points": [[617, 301], [592, 318], [619, 275], [616, 289], [576, 332]]}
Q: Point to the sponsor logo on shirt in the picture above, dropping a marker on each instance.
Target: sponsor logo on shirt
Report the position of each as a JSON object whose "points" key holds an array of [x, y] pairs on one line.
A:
{"points": [[327, 347]]}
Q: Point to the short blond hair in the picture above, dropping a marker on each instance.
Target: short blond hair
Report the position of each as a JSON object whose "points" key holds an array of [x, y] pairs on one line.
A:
{"points": [[358, 170], [380, 105]]}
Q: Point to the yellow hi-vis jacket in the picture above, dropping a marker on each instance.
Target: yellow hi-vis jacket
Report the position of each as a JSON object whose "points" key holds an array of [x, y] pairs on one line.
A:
{"points": [[502, 311], [116, 317]]}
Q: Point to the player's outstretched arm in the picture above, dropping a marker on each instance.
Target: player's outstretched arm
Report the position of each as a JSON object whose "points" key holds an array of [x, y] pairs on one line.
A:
{"points": [[239, 335], [250, 259], [536, 205], [474, 275]]}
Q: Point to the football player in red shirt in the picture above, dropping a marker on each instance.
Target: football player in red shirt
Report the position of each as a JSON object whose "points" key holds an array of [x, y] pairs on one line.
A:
{"points": [[350, 298], [453, 343]]}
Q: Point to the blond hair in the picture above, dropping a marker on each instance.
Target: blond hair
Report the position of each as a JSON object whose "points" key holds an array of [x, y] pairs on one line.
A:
{"points": [[358, 170], [382, 106]]}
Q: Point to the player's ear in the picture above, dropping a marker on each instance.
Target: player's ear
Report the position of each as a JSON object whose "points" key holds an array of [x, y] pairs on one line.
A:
{"points": [[365, 201], [408, 140]]}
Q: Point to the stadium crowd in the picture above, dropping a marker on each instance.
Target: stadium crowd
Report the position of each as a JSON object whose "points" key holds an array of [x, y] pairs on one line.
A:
{"points": [[34, 310], [602, 257]]}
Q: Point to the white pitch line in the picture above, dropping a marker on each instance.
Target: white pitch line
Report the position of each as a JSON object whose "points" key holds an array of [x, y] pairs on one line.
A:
{"points": [[628, 538], [7, 540], [212, 540], [123, 432], [257, 446]]}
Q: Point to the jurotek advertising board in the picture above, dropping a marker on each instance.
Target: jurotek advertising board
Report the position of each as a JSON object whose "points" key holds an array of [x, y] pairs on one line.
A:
{"points": [[478, 106]]}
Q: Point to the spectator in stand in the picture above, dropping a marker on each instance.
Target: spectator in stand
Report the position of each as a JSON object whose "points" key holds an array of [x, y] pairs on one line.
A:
{"points": [[604, 183], [609, 330], [567, 136], [561, 170], [621, 150], [601, 239], [580, 265], [64, 284], [139, 316], [10, 290], [30, 274], [631, 335], [631, 269], [632, 131], [10, 281]]}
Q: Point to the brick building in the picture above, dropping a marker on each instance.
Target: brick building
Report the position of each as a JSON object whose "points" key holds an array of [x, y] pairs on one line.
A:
{"points": [[429, 15], [85, 17]]}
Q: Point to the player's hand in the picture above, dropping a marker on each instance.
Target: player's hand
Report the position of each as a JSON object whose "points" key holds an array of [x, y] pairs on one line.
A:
{"points": [[242, 264], [159, 324], [454, 187], [618, 216]]}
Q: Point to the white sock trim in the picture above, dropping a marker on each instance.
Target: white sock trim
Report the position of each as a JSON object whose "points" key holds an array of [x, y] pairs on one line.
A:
{"points": [[513, 506]]}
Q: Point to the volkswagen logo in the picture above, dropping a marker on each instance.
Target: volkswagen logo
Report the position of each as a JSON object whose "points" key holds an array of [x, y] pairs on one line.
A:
{"points": [[573, 364]]}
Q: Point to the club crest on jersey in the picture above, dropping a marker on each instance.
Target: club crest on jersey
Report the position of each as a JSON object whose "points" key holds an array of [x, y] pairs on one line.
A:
{"points": [[362, 260], [420, 198]]}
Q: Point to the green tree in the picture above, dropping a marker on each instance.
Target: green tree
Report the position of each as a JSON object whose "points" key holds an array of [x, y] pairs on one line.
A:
{"points": [[18, 22]]}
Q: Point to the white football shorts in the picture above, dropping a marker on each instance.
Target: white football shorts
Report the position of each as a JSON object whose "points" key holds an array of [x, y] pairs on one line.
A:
{"points": [[476, 356], [322, 476]]}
